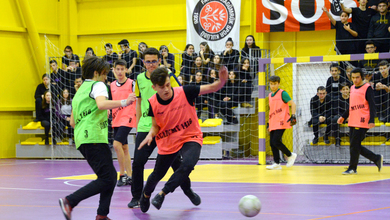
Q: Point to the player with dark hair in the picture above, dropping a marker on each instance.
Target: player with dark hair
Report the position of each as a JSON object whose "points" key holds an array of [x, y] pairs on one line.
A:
{"points": [[143, 91], [279, 121], [90, 121], [176, 129], [123, 120], [360, 114]]}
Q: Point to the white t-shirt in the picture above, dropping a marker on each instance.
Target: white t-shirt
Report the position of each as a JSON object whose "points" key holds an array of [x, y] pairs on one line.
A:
{"points": [[98, 89]]}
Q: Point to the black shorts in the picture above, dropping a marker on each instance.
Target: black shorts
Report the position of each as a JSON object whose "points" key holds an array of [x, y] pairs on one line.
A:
{"points": [[121, 133]]}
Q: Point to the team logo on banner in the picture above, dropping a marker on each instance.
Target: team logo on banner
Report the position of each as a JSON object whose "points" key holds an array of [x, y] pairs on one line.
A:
{"points": [[213, 20]]}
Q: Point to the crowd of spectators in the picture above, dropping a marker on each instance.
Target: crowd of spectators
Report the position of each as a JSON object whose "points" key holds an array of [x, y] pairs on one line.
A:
{"points": [[195, 68]]}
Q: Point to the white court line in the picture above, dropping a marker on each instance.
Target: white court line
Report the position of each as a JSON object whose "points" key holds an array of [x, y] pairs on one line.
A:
{"points": [[10, 164], [29, 189]]}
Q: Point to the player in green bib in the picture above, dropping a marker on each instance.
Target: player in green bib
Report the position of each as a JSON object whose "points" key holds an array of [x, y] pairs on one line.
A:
{"points": [[90, 122]]}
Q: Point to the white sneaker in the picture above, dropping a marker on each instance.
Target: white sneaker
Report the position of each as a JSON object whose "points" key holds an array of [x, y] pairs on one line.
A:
{"points": [[291, 159], [274, 166]]}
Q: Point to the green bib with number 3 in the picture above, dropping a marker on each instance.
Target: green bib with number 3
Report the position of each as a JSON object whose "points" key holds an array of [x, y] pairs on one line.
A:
{"points": [[91, 123]]}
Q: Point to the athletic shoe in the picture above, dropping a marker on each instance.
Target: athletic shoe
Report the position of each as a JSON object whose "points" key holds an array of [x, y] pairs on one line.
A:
{"points": [[274, 166], [100, 217], [338, 142], [158, 200], [349, 172], [129, 181], [195, 199], [315, 141], [326, 140], [134, 203], [122, 180], [66, 208], [379, 163], [291, 159], [144, 203]]}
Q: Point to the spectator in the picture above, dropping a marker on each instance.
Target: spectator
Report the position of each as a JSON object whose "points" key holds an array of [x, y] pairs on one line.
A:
{"points": [[39, 91], [47, 110], [72, 73], [370, 48], [180, 79], [345, 33], [89, 53], [77, 83], [368, 76], [57, 78], [333, 84], [211, 97], [168, 60], [348, 70], [246, 83], [110, 56], [361, 17], [188, 59], [228, 98], [64, 110], [381, 91], [68, 57], [206, 53], [342, 106], [139, 66], [216, 62], [320, 109], [252, 52], [197, 66], [379, 28], [130, 56], [201, 100], [230, 56]]}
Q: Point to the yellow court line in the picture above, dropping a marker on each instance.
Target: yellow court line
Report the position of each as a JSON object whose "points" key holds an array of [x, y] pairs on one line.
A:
{"points": [[352, 213]]}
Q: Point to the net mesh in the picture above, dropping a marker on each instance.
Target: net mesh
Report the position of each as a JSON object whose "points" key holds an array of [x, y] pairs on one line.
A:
{"points": [[233, 109]]}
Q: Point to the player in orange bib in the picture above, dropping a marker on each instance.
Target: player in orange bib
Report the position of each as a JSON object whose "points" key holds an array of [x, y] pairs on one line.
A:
{"points": [[123, 120], [177, 132], [361, 114], [279, 121]]}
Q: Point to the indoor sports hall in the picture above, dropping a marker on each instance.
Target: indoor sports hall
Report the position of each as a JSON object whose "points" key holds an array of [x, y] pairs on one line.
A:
{"points": [[314, 48]]}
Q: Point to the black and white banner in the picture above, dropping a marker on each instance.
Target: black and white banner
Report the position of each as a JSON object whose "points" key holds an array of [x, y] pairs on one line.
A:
{"points": [[213, 22]]}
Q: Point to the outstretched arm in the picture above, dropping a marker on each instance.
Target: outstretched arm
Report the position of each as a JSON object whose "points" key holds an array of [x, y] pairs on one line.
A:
{"points": [[329, 16], [217, 85], [153, 132]]}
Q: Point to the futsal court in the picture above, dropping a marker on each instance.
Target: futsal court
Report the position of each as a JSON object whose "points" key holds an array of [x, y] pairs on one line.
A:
{"points": [[30, 189]]}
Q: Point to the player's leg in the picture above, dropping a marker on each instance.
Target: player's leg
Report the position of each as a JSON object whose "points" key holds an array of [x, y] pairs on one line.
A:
{"points": [[120, 156], [99, 158], [356, 137], [275, 152], [139, 161], [163, 162]]}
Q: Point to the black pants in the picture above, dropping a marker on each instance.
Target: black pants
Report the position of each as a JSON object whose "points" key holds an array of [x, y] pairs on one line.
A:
{"points": [[139, 161], [356, 136], [99, 157], [190, 153], [334, 126], [38, 108], [277, 144], [316, 124]]}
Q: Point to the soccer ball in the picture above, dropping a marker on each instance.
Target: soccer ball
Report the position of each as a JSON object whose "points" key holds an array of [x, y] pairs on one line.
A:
{"points": [[249, 205]]}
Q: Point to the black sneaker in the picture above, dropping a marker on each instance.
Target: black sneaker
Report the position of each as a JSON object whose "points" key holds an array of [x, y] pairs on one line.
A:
{"points": [[158, 200], [195, 198], [326, 140], [349, 172], [134, 203], [122, 180], [129, 181], [379, 162], [315, 140], [144, 203], [338, 142]]}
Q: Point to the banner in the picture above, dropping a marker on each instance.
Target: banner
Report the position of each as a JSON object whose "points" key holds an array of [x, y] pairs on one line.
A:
{"points": [[297, 15], [213, 22]]}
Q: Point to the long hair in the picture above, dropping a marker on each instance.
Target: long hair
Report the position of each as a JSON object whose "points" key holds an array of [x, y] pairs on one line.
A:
{"points": [[44, 104], [246, 47], [63, 100]]}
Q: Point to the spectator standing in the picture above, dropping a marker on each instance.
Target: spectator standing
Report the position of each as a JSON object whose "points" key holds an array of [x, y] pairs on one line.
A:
{"points": [[378, 29], [68, 57], [130, 56], [381, 81]]}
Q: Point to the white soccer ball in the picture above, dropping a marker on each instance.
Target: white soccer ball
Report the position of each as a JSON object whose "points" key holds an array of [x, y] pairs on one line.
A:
{"points": [[249, 205]]}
